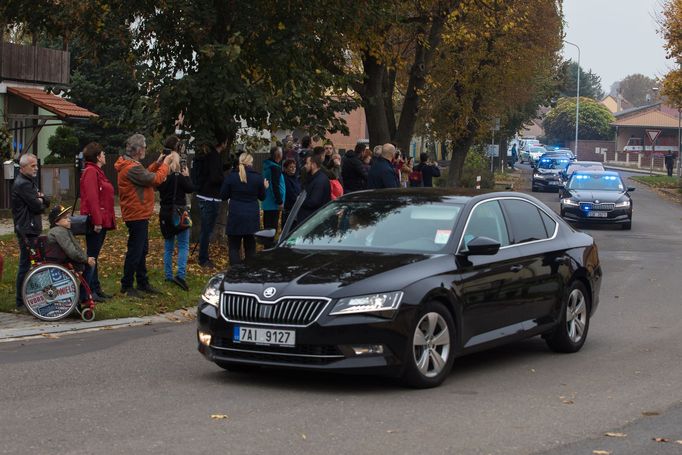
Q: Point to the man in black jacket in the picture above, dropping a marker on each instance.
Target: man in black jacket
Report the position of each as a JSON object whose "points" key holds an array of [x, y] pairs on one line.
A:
{"points": [[318, 189], [209, 179], [27, 206], [382, 174], [352, 171], [428, 169]]}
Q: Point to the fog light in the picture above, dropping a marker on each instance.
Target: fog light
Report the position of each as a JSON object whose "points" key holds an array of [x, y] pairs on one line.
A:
{"points": [[204, 338], [368, 349]]}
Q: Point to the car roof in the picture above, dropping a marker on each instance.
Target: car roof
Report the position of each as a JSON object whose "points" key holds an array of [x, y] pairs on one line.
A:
{"points": [[595, 172], [587, 163], [448, 195]]}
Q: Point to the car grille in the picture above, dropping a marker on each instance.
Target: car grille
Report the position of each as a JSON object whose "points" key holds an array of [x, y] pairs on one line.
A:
{"points": [[592, 206], [308, 354], [287, 311]]}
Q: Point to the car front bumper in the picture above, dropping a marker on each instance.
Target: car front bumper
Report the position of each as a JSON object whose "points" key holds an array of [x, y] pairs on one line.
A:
{"points": [[615, 216], [551, 184], [325, 345]]}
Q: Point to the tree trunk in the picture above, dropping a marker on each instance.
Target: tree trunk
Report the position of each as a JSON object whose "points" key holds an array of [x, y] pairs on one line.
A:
{"points": [[458, 154], [373, 102]]}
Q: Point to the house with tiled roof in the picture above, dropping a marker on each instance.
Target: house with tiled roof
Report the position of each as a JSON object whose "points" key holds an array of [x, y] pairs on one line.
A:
{"points": [[632, 124]]}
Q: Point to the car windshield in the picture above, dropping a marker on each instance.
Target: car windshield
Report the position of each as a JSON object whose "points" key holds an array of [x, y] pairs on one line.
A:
{"points": [[584, 167], [538, 150], [553, 163], [396, 225], [596, 182]]}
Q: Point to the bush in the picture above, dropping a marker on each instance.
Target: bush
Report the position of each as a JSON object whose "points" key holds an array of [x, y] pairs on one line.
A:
{"points": [[475, 164]]}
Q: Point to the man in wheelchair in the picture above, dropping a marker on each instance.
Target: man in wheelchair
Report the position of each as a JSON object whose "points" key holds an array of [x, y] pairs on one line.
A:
{"points": [[62, 247]]}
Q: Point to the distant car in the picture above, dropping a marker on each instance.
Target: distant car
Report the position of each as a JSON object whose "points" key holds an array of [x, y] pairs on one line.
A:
{"points": [[524, 149], [580, 166], [401, 282], [547, 175], [567, 152], [597, 197], [535, 153]]}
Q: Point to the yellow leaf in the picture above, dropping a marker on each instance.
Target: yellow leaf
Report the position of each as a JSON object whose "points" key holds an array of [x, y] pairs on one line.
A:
{"points": [[281, 26], [601, 452], [661, 439], [304, 436], [219, 416], [611, 434]]}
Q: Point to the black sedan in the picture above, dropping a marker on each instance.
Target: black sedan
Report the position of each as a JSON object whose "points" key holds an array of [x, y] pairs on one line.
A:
{"points": [[597, 197], [400, 282], [547, 174]]}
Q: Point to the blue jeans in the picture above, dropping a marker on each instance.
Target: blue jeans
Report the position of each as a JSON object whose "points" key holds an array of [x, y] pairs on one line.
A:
{"points": [[183, 252], [209, 215], [135, 265], [94, 243], [24, 267]]}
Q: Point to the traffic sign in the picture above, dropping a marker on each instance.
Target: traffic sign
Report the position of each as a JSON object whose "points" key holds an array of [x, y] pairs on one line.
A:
{"points": [[653, 135]]}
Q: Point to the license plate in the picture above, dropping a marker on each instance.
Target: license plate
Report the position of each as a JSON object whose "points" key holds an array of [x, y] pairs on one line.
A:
{"points": [[261, 335], [597, 214], [553, 183]]}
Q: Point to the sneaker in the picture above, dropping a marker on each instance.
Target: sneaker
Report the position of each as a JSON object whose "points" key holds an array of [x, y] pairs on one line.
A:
{"points": [[208, 265], [103, 294], [131, 292], [181, 282], [97, 297], [149, 289]]}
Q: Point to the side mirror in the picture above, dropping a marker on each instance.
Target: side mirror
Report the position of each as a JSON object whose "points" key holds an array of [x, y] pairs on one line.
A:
{"points": [[482, 246], [266, 236], [631, 189]]}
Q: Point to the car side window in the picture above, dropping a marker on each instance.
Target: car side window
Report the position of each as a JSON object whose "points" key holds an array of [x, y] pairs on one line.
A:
{"points": [[550, 224], [526, 223], [487, 220]]}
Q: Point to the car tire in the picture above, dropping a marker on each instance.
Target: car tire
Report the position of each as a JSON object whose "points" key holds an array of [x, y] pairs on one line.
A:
{"points": [[626, 226], [236, 367], [431, 347], [570, 335]]}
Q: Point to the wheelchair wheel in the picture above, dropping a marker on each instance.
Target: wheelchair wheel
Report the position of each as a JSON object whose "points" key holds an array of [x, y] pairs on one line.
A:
{"points": [[50, 292], [87, 314]]}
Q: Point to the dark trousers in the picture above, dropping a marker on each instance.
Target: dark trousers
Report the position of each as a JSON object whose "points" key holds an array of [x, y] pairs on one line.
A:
{"points": [[135, 265], [24, 267], [94, 242], [235, 247], [669, 168], [270, 219], [209, 215]]}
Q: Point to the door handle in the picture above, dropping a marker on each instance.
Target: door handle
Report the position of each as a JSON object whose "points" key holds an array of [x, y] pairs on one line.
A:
{"points": [[516, 268]]}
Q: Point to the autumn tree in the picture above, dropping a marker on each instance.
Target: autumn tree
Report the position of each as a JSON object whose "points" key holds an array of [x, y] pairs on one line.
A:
{"points": [[671, 29], [638, 89]]}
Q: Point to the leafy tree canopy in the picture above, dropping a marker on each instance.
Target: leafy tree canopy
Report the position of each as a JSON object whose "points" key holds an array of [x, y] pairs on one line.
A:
{"points": [[590, 83], [671, 29], [637, 89], [595, 121]]}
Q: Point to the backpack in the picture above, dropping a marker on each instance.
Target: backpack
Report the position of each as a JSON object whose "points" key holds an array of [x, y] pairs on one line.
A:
{"points": [[415, 177]]}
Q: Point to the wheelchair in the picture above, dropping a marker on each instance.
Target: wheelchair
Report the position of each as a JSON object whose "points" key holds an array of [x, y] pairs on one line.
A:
{"points": [[51, 289]]}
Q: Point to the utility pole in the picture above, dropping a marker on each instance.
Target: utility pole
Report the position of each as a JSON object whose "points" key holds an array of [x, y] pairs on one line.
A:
{"points": [[577, 101]]}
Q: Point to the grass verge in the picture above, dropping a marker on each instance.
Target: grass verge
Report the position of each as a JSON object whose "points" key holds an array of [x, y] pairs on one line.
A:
{"points": [[658, 181], [111, 268]]}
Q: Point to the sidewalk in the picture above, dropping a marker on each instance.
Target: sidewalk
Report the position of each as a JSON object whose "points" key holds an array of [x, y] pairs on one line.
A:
{"points": [[15, 326]]}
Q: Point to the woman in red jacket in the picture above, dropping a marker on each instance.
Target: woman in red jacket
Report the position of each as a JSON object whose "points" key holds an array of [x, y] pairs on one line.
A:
{"points": [[97, 200]]}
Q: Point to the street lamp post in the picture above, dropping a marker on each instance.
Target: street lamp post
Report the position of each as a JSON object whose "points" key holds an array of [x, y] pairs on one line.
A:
{"points": [[577, 100]]}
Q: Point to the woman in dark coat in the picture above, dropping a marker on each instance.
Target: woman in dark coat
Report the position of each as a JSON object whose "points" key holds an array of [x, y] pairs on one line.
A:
{"points": [[243, 187], [173, 193], [97, 200]]}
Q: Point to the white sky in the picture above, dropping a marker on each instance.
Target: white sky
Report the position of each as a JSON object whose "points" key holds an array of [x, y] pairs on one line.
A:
{"points": [[616, 38]]}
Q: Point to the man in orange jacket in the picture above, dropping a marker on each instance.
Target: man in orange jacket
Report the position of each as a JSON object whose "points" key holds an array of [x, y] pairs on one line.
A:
{"points": [[136, 194]]}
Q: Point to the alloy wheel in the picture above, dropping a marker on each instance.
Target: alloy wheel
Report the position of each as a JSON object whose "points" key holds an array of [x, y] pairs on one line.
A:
{"points": [[431, 344], [576, 315]]}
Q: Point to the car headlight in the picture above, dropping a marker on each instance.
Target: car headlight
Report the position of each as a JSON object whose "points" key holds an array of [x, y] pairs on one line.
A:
{"points": [[569, 201], [211, 294], [622, 204], [384, 302], [539, 177]]}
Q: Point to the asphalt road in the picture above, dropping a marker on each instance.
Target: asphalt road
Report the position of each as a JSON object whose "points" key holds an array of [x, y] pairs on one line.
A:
{"points": [[147, 390]]}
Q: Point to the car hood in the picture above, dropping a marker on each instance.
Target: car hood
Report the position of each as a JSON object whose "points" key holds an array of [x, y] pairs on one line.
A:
{"points": [[548, 171], [593, 195], [324, 273]]}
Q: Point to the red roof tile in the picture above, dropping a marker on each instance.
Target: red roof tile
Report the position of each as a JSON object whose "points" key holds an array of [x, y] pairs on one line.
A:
{"points": [[52, 103]]}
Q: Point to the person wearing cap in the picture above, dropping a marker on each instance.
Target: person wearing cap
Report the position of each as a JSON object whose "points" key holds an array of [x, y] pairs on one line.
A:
{"points": [[60, 239], [28, 203], [136, 194]]}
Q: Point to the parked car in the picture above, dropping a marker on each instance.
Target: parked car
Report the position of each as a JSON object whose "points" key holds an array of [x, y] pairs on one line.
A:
{"points": [[547, 175], [524, 149], [597, 197], [567, 152], [580, 166], [401, 282]]}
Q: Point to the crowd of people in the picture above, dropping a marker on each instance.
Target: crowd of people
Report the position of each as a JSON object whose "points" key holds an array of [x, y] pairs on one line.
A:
{"points": [[290, 169]]}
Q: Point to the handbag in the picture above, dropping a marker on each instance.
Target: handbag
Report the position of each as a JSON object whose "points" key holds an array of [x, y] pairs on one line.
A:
{"points": [[81, 224], [180, 215]]}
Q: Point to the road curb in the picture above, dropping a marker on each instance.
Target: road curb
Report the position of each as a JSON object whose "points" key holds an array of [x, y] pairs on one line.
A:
{"points": [[54, 329]]}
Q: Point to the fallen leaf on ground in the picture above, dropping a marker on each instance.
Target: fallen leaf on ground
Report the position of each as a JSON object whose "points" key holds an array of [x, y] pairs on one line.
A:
{"points": [[219, 416], [650, 413], [304, 436], [661, 439], [612, 434], [601, 452], [392, 431], [49, 335], [679, 441]]}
